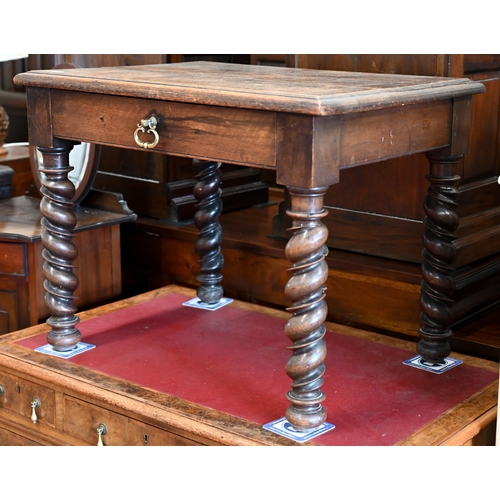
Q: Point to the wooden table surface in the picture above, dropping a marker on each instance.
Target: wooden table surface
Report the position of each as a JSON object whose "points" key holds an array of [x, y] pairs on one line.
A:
{"points": [[287, 90]]}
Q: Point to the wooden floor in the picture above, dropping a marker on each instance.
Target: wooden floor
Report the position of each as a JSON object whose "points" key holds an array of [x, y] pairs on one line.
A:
{"points": [[255, 271]]}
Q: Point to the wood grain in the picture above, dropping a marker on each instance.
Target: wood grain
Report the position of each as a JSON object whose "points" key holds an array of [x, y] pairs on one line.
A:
{"points": [[256, 87], [195, 131]]}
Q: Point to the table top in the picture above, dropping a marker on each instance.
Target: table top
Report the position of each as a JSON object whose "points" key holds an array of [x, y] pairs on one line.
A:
{"points": [[291, 90]]}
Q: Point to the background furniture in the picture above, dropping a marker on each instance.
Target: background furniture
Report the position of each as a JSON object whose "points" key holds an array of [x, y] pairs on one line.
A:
{"points": [[386, 275], [97, 235], [6, 174], [12, 104], [18, 159], [386, 199]]}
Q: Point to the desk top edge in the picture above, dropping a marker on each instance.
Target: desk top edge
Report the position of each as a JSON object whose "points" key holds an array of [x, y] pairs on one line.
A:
{"points": [[290, 90]]}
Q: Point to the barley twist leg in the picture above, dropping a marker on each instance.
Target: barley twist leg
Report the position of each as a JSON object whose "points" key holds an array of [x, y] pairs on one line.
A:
{"points": [[59, 251], [208, 194], [438, 257], [306, 250]]}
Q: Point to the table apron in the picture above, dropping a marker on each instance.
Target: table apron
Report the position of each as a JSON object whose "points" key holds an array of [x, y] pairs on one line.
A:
{"points": [[312, 149], [306, 151], [380, 135]]}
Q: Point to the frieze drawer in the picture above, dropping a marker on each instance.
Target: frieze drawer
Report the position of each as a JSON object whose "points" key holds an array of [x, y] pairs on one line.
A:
{"points": [[27, 399], [82, 421], [183, 129], [13, 258]]}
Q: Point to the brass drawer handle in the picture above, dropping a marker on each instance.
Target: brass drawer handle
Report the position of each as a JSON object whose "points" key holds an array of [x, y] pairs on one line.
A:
{"points": [[101, 431], [141, 127], [36, 403]]}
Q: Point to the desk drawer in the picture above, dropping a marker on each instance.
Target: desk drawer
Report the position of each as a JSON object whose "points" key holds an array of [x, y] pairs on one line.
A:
{"points": [[234, 135], [13, 258], [10, 438], [81, 420], [18, 395]]}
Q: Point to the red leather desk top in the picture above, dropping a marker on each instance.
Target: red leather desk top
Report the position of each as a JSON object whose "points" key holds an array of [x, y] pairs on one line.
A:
{"points": [[232, 360]]}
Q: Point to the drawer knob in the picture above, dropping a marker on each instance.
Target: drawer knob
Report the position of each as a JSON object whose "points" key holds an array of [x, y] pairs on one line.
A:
{"points": [[2, 390], [36, 403], [147, 125], [101, 431]]}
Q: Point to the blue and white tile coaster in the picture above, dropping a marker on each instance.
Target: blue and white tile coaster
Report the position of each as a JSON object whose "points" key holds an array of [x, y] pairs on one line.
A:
{"points": [[78, 349], [196, 302], [418, 362], [284, 428]]}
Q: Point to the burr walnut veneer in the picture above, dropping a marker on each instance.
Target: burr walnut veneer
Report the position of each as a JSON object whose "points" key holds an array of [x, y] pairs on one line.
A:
{"points": [[307, 125]]}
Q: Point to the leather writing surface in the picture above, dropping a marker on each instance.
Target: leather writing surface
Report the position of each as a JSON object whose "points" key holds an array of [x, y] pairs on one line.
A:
{"points": [[232, 360]]}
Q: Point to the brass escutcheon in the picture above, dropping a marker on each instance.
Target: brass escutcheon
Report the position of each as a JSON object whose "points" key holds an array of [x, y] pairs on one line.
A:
{"points": [[150, 124]]}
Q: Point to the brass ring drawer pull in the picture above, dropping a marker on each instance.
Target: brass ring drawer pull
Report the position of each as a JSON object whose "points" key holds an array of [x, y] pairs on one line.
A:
{"points": [[148, 125]]}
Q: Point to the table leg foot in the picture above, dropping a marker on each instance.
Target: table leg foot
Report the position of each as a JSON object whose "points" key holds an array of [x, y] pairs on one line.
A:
{"points": [[306, 250], [59, 251], [209, 208]]}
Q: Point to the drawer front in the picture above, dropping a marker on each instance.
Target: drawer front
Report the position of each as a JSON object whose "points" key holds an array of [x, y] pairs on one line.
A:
{"points": [[240, 136], [18, 395], [81, 420], [9, 438], [13, 258]]}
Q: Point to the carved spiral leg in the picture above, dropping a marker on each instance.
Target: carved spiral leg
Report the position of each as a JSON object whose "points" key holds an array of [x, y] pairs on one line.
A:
{"points": [[208, 193], [438, 257], [306, 250], [59, 251]]}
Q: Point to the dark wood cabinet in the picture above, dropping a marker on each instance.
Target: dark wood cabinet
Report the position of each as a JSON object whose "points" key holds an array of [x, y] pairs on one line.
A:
{"points": [[388, 199], [377, 283], [21, 278], [18, 159]]}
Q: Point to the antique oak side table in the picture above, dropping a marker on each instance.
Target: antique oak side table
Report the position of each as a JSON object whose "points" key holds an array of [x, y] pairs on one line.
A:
{"points": [[307, 125]]}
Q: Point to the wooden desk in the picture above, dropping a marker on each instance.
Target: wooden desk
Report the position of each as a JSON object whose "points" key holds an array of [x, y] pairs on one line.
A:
{"points": [[149, 393], [307, 125]]}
